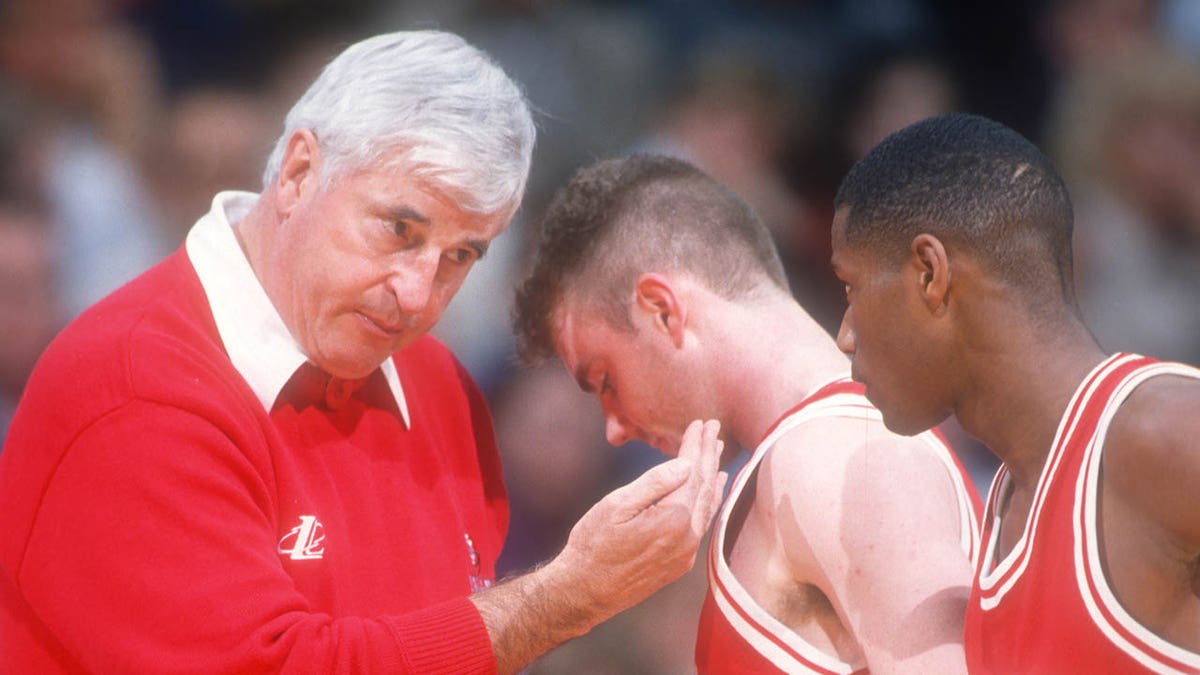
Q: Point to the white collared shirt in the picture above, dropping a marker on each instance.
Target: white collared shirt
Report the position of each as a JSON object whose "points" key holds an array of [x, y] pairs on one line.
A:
{"points": [[258, 342]]}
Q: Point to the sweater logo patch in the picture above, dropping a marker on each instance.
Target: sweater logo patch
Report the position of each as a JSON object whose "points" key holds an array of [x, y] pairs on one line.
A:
{"points": [[305, 541], [478, 580]]}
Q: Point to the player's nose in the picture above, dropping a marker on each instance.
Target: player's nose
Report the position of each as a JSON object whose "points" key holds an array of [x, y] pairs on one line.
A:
{"points": [[845, 336], [615, 431]]}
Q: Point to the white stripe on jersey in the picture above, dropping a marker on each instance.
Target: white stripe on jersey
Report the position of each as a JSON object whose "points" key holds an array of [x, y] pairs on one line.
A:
{"points": [[1142, 644]]}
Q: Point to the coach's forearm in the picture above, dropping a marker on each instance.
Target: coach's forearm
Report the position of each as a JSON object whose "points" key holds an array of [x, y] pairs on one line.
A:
{"points": [[529, 615]]}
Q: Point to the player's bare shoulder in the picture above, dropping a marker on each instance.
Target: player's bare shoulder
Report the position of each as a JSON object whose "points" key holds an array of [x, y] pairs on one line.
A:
{"points": [[882, 532], [1152, 452], [852, 474], [1160, 417], [836, 454]]}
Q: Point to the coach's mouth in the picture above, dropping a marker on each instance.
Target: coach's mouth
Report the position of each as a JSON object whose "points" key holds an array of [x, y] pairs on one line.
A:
{"points": [[383, 327]]}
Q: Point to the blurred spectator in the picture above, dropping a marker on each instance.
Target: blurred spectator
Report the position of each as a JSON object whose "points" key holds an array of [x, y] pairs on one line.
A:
{"points": [[100, 78], [1180, 23], [891, 90], [730, 117], [29, 312], [1127, 136], [1084, 34], [211, 139], [74, 55]]}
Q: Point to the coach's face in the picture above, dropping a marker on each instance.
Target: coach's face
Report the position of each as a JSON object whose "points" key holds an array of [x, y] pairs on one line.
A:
{"points": [[886, 333], [364, 266]]}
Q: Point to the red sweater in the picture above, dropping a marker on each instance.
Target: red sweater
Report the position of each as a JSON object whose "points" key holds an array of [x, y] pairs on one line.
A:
{"points": [[155, 518]]}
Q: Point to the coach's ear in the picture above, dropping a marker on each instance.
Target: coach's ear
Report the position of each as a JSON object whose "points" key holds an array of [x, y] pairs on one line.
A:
{"points": [[932, 266], [298, 170], [659, 301]]}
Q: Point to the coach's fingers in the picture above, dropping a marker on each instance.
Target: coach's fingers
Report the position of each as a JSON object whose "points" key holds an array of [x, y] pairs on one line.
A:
{"points": [[714, 502], [690, 447], [657, 483], [706, 476], [691, 452]]}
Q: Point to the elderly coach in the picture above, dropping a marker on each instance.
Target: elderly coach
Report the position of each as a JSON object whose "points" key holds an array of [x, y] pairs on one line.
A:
{"points": [[253, 458]]}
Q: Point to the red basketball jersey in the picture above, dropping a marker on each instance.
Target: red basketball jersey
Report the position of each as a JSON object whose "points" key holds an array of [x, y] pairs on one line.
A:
{"points": [[736, 635], [1047, 608]]}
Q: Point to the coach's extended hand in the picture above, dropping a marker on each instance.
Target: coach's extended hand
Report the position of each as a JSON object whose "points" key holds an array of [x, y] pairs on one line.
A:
{"points": [[636, 540]]}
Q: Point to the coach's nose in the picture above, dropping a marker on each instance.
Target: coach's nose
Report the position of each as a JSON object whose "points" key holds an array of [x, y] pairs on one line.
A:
{"points": [[412, 281]]}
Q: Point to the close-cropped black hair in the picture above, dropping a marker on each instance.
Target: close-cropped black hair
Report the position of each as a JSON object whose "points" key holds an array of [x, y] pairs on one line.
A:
{"points": [[975, 184]]}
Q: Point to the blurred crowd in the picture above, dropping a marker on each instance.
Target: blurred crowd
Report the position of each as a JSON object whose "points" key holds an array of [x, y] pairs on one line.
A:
{"points": [[119, 119]]}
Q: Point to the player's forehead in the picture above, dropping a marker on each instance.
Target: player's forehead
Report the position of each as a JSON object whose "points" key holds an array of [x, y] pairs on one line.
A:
{"points": [[578, 340], [580, 328], [860, 254], [570, 325], [843, 257]]}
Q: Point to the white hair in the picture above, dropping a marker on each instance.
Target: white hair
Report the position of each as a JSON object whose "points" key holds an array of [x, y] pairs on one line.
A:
{"points": [[427, 100]]}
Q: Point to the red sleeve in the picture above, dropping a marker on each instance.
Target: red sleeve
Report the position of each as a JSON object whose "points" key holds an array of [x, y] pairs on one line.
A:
{"points": [[170, 566]]}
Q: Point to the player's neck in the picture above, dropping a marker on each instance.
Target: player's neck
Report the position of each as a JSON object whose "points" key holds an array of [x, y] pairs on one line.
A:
{"points": [[777, 358], [1020, 392]]}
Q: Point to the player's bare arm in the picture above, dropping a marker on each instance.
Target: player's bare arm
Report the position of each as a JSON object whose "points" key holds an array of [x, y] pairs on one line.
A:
{"points": [[1150, 508], [874, 519], [633, 542]]}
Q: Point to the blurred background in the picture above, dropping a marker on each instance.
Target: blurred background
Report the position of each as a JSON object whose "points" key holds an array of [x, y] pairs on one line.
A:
{"points": [[119, 119]]}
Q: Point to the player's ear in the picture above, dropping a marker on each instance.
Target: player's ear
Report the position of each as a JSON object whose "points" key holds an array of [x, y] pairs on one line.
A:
{"points": [[658, 300], [298, 170], [933, 271]]}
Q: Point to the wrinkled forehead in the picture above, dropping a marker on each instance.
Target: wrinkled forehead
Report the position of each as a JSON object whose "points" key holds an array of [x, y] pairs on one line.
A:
{"points": [[448, 180], [399, 181]]}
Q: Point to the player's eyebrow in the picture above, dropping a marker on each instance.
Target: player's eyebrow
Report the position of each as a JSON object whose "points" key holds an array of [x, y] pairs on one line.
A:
{"points": [[480, 247]]}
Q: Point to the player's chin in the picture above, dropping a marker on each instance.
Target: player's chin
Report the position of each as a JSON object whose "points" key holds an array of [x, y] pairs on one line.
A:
{"points": [[668, 447], [901, 427], [906, 423]]}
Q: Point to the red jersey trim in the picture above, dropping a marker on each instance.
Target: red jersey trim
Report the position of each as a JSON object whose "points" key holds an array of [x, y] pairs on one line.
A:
{"points": [[995, 582], [1106, 612], [839, 386], [729, 607]]}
